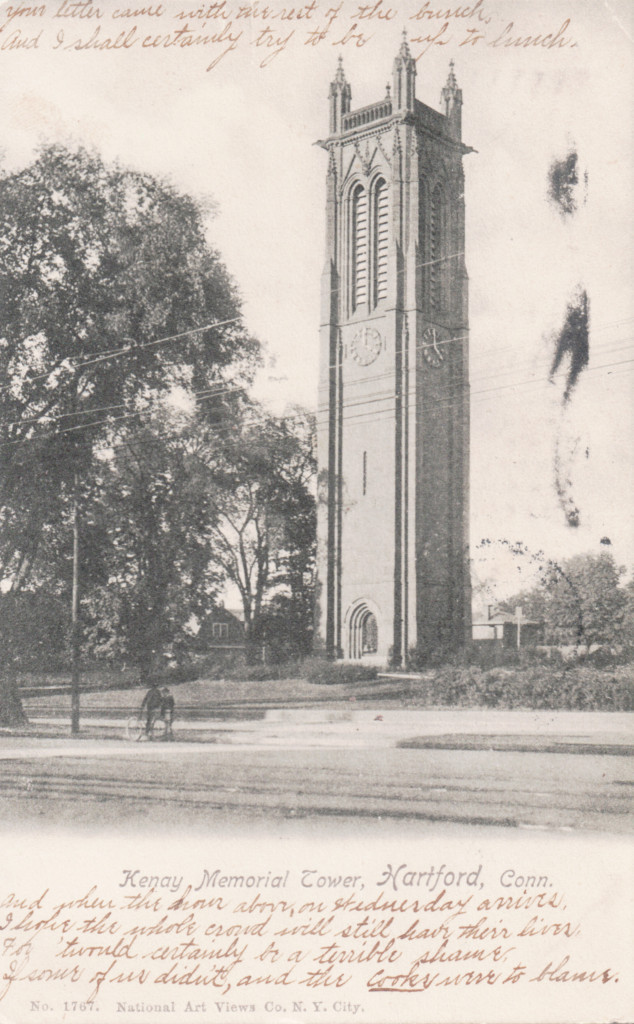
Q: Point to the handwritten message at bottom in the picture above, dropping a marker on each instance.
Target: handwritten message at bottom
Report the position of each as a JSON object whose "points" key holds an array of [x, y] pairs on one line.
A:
{"points": [[405, 933]]}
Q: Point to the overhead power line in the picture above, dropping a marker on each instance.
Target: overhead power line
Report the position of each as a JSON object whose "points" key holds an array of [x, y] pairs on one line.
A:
{"points": [[222, 389], [447, 396], [449, 399], [134, 347], [225, 439]]}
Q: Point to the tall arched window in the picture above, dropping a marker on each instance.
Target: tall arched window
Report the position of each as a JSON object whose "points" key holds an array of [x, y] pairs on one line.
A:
{"points": [[359, 247], [436, 253], [381, 231]]}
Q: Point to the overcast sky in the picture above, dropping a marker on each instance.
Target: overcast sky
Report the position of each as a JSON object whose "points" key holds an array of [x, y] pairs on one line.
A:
{"points": [[244, 136]]}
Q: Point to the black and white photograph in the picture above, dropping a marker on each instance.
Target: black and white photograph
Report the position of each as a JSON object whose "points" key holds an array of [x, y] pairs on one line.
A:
{"points": [[316, 491]]}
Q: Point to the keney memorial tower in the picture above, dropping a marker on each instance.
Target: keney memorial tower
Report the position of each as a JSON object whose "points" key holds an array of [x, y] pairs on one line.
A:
{"points": [[393, 417]]}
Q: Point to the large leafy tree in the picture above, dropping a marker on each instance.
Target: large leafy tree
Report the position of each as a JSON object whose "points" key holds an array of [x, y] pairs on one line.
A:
{"points": [[153, 510], [264, 527], [99, 266], [184, 504], [580, 601]]}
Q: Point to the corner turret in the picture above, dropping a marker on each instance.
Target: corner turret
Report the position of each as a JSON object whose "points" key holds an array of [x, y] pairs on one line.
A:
{"points": [[451, 97], [403, 78], [340, 97]]}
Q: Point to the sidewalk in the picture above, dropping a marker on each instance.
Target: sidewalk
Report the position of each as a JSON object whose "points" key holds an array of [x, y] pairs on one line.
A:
{"points": [[459, 729]]}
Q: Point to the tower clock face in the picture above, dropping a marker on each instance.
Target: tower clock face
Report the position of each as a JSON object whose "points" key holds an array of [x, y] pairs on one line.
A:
{"points": [[366, 346], [433, 349]]}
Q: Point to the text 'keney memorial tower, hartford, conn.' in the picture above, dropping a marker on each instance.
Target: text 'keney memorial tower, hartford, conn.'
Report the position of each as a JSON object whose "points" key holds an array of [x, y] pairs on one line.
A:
{"points": [[393, 421]]}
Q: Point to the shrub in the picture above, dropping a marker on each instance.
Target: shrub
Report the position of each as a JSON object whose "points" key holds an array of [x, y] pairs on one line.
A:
{"points": [[556, 688], [220, 664], [185, 673], [265, 673], [236, 666], [331, 673]]}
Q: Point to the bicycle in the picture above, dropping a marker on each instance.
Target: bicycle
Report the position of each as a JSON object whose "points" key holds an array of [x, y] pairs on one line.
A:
{"points": [[136, 728]]}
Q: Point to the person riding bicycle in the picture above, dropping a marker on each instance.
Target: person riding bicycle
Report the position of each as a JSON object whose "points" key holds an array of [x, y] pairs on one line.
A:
{"points": [[167, 711], [152, 706]]}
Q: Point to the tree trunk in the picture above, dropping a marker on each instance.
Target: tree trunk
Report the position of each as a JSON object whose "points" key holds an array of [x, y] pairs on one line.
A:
{"points": [[252, 648], [11, 710], [252, 640]]}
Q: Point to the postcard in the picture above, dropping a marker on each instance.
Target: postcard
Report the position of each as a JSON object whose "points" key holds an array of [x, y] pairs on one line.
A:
{"points": [[315, 516]]}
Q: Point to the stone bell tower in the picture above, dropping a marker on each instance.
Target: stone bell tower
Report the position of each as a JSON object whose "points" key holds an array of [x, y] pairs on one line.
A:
{"points": [[393, 419]]}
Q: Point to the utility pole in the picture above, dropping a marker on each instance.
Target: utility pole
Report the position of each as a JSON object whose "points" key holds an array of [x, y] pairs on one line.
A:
{"points": [[74, 685]]}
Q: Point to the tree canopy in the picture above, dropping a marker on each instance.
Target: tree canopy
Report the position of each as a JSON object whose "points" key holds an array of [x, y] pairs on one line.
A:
{"points": [[580, 601], [264, 525], [106, 283], [151, 512], [110, 297]]}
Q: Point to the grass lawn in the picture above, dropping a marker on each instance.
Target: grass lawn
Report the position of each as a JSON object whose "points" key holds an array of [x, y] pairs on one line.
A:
{"points": [[209, 693]]}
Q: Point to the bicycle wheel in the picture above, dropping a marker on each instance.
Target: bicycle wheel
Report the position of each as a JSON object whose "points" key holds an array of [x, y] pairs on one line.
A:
{"points": [[135, 728], [158, 730]]}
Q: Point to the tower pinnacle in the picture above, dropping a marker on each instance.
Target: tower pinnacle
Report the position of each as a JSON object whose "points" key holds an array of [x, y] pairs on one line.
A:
{"points": [[451, 97], [340, 97], [403, 77]]}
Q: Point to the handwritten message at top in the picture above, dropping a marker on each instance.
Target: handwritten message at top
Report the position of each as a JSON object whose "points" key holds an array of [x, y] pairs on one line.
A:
{"points": [[271, 30], [297, 940]]}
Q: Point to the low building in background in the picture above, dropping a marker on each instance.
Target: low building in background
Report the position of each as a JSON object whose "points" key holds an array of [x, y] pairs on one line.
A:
{"points": [[507, 629], [221, 629]]}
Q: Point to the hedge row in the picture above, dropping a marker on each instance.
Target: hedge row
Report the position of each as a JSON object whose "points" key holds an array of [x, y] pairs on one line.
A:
{"points": [[313, 670], [578, 687]]}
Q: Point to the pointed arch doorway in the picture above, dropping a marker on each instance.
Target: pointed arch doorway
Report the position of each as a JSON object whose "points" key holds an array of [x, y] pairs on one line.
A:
{"points": [[363, 631]]}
